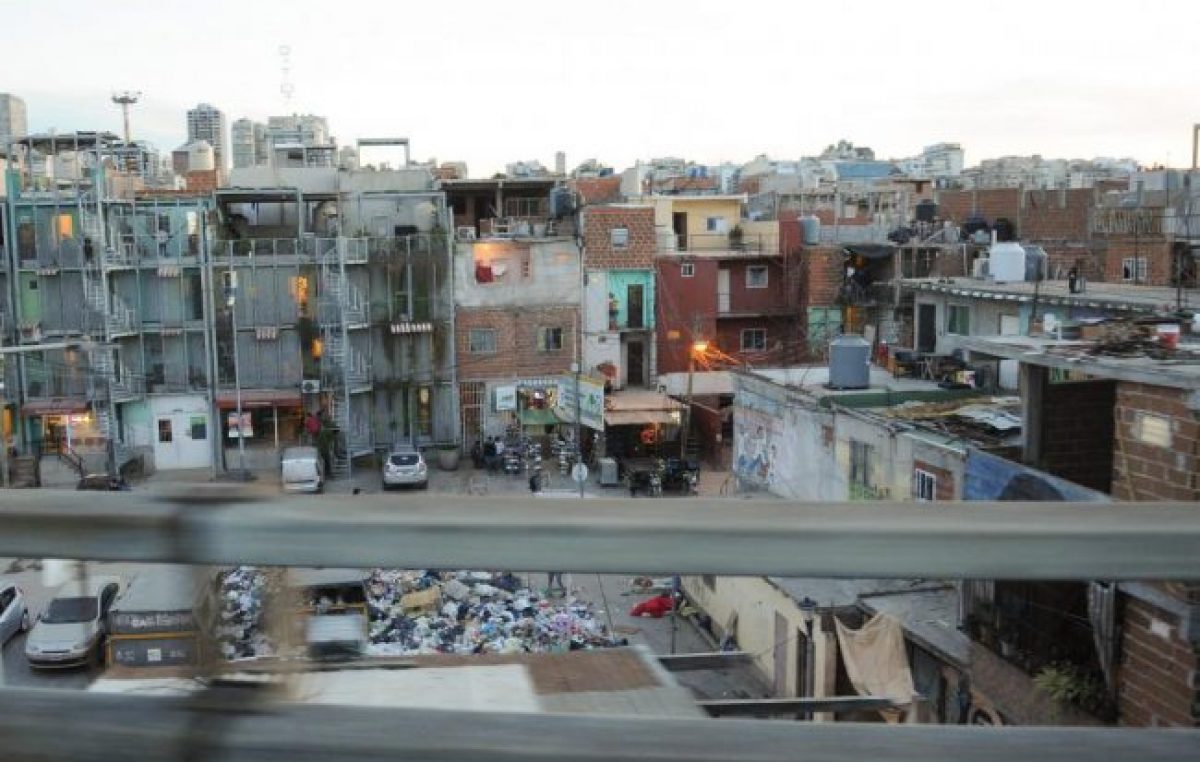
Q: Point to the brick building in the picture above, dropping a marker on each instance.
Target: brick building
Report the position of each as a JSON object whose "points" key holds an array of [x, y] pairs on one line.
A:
{"points": [[1130, 429]]}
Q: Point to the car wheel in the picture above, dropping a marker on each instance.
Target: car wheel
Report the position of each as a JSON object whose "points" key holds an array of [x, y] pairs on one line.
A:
{"points": [[25, 621]]}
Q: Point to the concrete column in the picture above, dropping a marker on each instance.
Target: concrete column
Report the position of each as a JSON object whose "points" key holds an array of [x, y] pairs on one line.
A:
{"points": [[1033, 387]]}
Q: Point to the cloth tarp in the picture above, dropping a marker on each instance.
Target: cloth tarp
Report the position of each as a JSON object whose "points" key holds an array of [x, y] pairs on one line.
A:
{"points": [[876, 659], [538, 417]]}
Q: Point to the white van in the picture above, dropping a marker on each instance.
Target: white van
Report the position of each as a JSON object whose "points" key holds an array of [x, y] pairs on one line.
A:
{"points": [[302, 470]]}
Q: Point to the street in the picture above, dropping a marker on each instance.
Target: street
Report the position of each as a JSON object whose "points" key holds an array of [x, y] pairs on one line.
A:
{"points": [[612, 595]]}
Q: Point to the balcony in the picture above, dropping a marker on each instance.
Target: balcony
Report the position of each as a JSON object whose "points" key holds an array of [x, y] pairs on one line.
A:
{"points": [[730, 245]]}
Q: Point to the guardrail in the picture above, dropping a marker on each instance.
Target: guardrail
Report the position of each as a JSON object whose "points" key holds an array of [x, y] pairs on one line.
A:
{"points": [[886, 539]]}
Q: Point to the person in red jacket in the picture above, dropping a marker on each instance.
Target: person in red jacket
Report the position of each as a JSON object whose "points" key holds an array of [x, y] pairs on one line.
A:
{"points": [[655, 607]]}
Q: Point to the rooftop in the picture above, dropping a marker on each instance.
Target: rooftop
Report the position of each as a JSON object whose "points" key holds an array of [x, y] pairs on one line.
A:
{"points": [[1180, 370], [1121, 296]]}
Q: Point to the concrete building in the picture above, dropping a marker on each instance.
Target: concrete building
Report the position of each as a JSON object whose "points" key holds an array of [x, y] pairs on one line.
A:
{"points": [[300, 140], [248, 141], [207, 122], [13, 122]]}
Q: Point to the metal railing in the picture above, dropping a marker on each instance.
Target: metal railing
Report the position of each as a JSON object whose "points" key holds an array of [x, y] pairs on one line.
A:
{"points": [[973, 540], [749, 243]]}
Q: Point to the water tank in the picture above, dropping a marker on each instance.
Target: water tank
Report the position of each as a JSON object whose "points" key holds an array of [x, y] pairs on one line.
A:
{"points": [[1005, 229], [927, 210], [1037, 263], [810, 227], [849, 362], [1007, 262], [562, 202], [201, 157]]}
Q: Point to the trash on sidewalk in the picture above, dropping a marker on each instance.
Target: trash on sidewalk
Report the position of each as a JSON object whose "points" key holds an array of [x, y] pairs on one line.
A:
{"points": [[656, 607], [240, 631]]}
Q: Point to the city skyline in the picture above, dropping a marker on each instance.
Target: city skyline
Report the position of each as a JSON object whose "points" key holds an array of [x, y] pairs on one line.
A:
{"points": [[619, 87]]}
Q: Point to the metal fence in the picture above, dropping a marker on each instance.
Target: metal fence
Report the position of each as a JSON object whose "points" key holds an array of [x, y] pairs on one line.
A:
{"points": [[886, 539]]}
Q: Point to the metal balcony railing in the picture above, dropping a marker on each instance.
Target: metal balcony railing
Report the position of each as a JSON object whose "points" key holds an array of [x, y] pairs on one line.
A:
{"points": [[746, 243]]}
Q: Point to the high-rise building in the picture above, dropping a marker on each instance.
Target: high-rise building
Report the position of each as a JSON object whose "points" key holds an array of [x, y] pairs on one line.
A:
{"points": [[12, 119], [300, 129], [207, 122], [248, 142]]}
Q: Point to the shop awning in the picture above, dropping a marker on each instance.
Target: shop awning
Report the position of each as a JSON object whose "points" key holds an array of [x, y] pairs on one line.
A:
{"points": [[538, 417], [252, 398], [639, 418], [54, 407]]}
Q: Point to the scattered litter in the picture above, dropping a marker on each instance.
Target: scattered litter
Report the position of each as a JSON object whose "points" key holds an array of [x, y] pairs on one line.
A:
{"points": [[240, 631]]}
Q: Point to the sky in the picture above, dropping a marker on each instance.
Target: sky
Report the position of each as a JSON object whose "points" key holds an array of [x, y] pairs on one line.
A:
{"points": [[490, 83]]}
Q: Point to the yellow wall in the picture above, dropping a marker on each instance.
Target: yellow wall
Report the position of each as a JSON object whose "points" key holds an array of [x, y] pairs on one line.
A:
{"points": [[756, 601]]}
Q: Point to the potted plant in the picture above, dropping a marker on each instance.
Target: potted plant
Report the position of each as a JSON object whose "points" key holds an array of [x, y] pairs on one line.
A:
{"points": [[735, 237], [448, 456]]}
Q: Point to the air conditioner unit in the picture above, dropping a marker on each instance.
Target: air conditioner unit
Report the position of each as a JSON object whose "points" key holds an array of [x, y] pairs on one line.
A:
{"points": [[310, 386]]}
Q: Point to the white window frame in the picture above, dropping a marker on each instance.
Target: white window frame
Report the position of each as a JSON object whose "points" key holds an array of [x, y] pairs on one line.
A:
{"points": [[766, 277], [752, 331], [473, 347], [924, 486], [619, 237], [1134, 269], [687, 270], [718, 225]]}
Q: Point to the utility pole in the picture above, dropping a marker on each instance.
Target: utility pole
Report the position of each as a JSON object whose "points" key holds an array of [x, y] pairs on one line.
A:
{"points": [[231, 301], [578, 410], [697, 346]]}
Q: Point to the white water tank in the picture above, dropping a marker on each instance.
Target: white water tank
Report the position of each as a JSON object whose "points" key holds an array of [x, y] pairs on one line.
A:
{"points": [[849, 362], [425, 216], [1007, 262], [201, 157]]}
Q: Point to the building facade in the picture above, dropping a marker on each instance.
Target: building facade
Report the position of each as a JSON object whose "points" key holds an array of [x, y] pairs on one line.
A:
{"points": [[248, 143], [207, 122], [13, 120]]}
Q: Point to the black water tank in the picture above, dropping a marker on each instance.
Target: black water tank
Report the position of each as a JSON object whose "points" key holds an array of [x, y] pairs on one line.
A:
{"points": [[1005, 229], [927, 210], [562, 202]]}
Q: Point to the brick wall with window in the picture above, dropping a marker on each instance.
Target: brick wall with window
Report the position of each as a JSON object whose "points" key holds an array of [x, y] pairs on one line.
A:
{"points": [[512, 343], [1159, 671], [1157, 444], [1145, 261], [942, 482], [617, 237]]}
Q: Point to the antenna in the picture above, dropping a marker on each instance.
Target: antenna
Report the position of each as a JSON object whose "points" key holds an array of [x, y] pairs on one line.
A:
{"points": [[125, 99], [285, 81]]}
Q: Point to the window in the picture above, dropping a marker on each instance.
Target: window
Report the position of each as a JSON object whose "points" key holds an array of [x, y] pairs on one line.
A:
{"points": [[958, 320], [549, 339], [66, 225], [756, 276], [716, 225], [619, 237], [481, 341], [924, 486], [199, 427], [164, 431], [860, 463], [1133, 268], [687, 270], [754, 340]]}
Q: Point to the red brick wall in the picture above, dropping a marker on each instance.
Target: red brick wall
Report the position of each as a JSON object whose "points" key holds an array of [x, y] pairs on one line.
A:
{"points": [[679, 302], [1077, 432], [600, 220], [1159, 674], [745, 299], [517, 355], [1156, 252], [599, 190], [1144, 471], [781, 340], [824, 268], [1047, 215]]}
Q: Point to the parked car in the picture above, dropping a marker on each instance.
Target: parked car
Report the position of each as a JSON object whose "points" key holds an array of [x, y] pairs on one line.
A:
{"points": [[302, 470], [14, 615], [405, 467], [72, 629]]}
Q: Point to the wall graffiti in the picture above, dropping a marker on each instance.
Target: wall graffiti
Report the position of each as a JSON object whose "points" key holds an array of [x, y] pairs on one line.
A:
{"points": [[755, 449]]}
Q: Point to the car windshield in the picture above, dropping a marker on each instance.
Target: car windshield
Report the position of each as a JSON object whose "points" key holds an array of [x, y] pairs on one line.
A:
{"points": [[405, 459], [67, 610]]}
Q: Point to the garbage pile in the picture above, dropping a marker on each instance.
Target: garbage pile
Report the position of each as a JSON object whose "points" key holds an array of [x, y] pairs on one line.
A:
{"points": [[428, 612], [240, 629]]}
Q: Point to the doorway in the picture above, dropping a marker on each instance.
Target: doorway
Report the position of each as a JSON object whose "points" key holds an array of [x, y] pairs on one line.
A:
{"points": [[723, 290], [926, 327], [635, 306], [635, 364], [679, 226]]}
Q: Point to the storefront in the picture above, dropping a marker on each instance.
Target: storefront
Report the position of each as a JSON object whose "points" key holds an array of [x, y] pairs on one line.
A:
{"points": [[271, 420], [62, 424], [641, 424]]}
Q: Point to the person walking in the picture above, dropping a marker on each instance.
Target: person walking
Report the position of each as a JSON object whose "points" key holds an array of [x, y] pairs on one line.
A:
{"points": [[556, 584]]}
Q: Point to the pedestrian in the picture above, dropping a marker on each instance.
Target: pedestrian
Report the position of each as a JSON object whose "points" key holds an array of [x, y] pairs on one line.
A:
{"points": [[556, 584], [535, 481], [499, 452], [489, 454]]}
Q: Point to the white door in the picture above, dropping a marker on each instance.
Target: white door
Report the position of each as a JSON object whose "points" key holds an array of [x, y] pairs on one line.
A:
{"points": [[181, 441], [723, 290], [1010, 325]]}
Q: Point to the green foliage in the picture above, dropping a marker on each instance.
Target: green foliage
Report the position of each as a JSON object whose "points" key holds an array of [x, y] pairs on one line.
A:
{"points": [[1067, 683]]}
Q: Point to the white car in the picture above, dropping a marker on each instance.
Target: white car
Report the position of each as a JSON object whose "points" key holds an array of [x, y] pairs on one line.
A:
{"points": [[301, 470], [71, 631], [405, 468], [14, 616]]}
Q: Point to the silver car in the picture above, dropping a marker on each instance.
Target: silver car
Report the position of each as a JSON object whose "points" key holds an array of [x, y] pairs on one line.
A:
{"points": [[14, 616], [70, 632], [405, 467]]}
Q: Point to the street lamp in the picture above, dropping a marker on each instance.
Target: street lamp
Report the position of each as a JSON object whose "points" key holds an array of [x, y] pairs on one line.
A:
{"points": [[698, 348]]}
